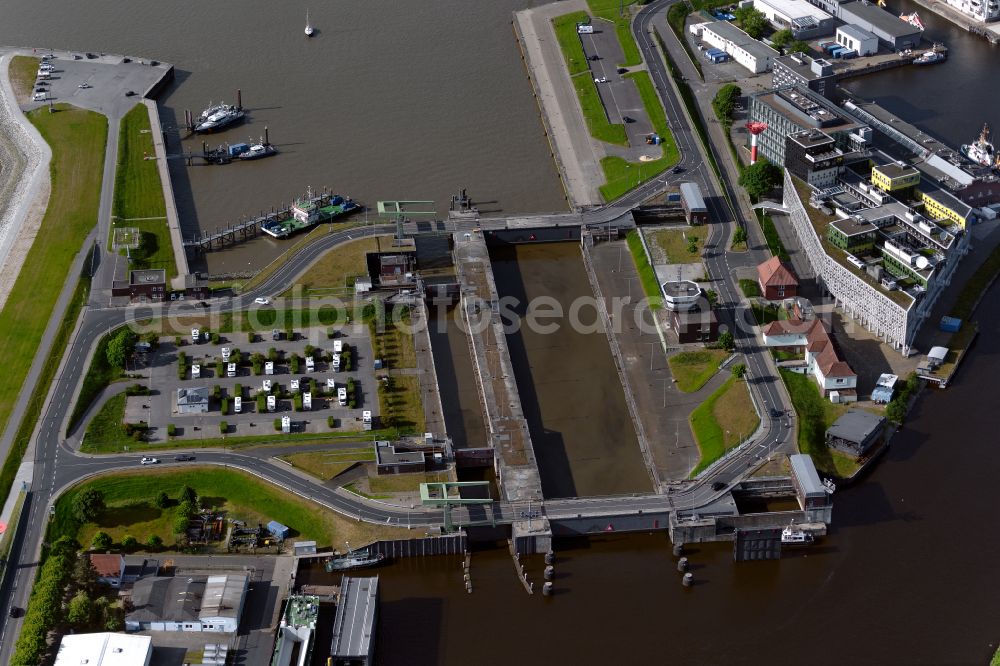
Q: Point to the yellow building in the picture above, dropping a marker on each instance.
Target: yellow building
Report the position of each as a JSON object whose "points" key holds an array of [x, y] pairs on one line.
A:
{"points": [[893, 177], [940, 205]]}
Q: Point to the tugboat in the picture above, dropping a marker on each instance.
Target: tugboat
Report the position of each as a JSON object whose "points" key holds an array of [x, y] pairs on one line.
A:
{"points": [[355, 559], [217, 117], [981, 150], [790, 536]]}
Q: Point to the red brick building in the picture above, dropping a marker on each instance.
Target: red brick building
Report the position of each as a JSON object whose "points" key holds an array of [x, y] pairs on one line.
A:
{"points": [[776, 280]]}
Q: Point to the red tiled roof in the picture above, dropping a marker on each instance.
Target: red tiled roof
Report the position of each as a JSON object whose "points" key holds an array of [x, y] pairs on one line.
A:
{"points": [[839, 369], [818, 342], [773, 273], [107, 566]]}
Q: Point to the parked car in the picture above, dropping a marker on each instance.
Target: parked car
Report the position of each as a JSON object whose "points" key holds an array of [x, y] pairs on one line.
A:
{"points": [[184, 457], [15, 611], [594, 57], [148, 461], [628, 119], [38, 97], [602, 79], [622, 70], [261, 301], [677, 169]]}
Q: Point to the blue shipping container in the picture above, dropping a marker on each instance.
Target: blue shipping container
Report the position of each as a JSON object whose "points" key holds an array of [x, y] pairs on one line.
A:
{"points": [[277, 529], [950, 324], [238, 149], [674, 196]]}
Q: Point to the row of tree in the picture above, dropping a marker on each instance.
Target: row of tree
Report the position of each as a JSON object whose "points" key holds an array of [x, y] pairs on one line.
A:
{"points": [[45, 609]]}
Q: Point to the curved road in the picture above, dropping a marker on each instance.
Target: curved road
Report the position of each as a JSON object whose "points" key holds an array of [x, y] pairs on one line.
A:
{"points": [[57, 467]]}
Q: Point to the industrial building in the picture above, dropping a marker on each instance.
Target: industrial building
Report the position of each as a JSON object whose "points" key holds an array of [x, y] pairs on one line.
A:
{"points": [[777, 281], [855, 432], [805, 20], [192, 400], [116, 570], [798, 69], [354, 624], [858, 40], [744, 49], [187, 603], [810, 491], [104, 649], [693, 204], [795, 109], [890, 30]]}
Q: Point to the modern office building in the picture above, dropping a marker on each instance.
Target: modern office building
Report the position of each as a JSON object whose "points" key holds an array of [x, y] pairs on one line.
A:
{"points": [[805, 20], [813, 156], [798, 69]]}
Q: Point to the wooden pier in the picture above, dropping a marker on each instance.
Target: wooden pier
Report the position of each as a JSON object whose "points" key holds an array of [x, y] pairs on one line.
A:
{"points": [[243, 230]]}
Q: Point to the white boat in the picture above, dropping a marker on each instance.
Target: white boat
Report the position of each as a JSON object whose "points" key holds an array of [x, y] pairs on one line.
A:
{"points": [[309, 28], [791, 536], [981, 151], [929, 58]]}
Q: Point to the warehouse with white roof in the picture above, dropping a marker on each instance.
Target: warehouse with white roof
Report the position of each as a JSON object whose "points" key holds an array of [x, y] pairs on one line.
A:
{"points": [[802, 18]]}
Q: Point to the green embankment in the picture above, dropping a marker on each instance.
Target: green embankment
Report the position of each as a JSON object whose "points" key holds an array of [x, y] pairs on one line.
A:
{"points": [[138, 201], [569, 41], [692, 370], [647, 276], [723, 421], [593, 112], [78, 140]]}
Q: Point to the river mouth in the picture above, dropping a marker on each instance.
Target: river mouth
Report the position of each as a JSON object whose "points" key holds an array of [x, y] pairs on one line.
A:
{"points": [[571, 394]]}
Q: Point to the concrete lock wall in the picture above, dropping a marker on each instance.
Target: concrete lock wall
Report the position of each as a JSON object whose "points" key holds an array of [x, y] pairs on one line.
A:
{"points": [[454, 544], [645, 522], [537, 235]]}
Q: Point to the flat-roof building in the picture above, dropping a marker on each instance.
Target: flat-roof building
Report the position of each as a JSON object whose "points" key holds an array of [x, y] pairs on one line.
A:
{"points": [[802, 18], [390, 461], [810, 491], [744, 49], [681, 294], [891, 31], [187, 603], [354, 624], [798, 69], [855, 432], [192, 400], [104, 649], [858, 40], [142, 285]]}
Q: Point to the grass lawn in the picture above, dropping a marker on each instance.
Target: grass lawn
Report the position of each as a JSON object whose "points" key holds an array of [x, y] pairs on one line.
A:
{"points": [[816, 415], [139, 195], [106, 428], [692, 370], [674, 243], [594, 113], [404, 483], [22, 76], [328, 464], [99, 375], [569, 41], [335, 271], [130, 498], [77, 138], [401, 406], [394, 343], [723, 421], [609, 9], [765, 314], [647, 276], [750, 288], [619, 174]]}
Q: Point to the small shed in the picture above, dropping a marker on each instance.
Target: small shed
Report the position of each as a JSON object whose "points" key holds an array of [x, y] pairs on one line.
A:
{"points": [[279, 530], [304, 548]]}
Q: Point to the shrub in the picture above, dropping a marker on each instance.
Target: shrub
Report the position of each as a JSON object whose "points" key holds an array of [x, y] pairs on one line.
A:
{"points": [[289, 334], [294, 364], [277, 425], [352, 403], [272, 354], [727, 342], [129, 542], [739, 370], [225, 407], [297, 402], [310, 351], [189, 495], [220, 369], [331, 333], [178, 340], [171, 430], [238, 390], [261, 403], [181, 524], [223, 427], [88, 504], [331, 421], [101, 541], [217, 392], [216, 339], [162, 500], [137, 389], [154, 542]]}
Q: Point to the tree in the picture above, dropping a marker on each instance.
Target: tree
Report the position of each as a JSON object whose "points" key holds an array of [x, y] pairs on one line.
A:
{"points": [[739, 370], [129, 542], [895, 411], [187, 509], [181, 524], [188, 494], [120, 348], [88, 504], [692, 244], [782, 38], [760, 178], [727, 342], [84, 574], [162, 500], [798, 46], [101, 541], [739, 236], [751, 21], [80, 609], [724, 102], [154, 542]]}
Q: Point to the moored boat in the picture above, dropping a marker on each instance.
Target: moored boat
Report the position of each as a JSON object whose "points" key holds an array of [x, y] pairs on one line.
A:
{"points": [[218, 117], [929, 58], [258, 150], [981, 150], [791, 536], [356, 559]]}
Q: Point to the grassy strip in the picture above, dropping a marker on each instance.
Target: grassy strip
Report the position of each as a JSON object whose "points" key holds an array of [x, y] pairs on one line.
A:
{"points": [[617, 11], [99, 375], [620, 174], [7, 539], [816, 415], [139, 194], [692, 370], [674, 243], [247, 441], [750, 288], [676, 18], [106, 427], [130, 498], [22, 76], [647, 276], [766, 314], [325, 465], [774, 243], [595, 114], [400, 403], [722, 421], [338, 267], [34, 410], [393, 341], [404, 483], [77, 139], [975, 286], [569, 41]]}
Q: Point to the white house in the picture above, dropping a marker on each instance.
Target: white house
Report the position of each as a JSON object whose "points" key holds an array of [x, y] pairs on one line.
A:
{"points": [[835, 377], [857, 39]]}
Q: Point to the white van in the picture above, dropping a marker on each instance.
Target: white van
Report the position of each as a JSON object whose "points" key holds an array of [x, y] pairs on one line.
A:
{"points": [[336, 362], [338, 346], [237, 405], [231, 370], [342, 396]]}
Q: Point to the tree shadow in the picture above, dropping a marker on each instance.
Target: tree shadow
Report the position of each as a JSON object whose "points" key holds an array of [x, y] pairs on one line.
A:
{"points": [[120, 516]]}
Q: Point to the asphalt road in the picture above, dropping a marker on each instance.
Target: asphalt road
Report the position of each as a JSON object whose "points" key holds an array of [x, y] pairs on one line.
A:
{"points": [[56, 466]]}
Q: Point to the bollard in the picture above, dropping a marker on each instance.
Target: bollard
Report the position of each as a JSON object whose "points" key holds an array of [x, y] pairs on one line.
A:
{"points": [[678, 549], [682, 564], [547, 589], [468, 578], [550, 557], [688, 579], [549, 571]]}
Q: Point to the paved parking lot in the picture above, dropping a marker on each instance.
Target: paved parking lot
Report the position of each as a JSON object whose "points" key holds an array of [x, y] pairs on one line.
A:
{"points": [[160, 409]]}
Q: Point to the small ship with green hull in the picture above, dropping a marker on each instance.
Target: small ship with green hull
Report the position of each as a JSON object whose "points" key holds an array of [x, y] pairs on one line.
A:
{"points": [[308, 212]]}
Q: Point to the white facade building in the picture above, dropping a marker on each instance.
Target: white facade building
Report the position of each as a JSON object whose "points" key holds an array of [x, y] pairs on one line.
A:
{"points": [[741, 47], [861, 41], [802, 18], [104, 649], [979, 10]]}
